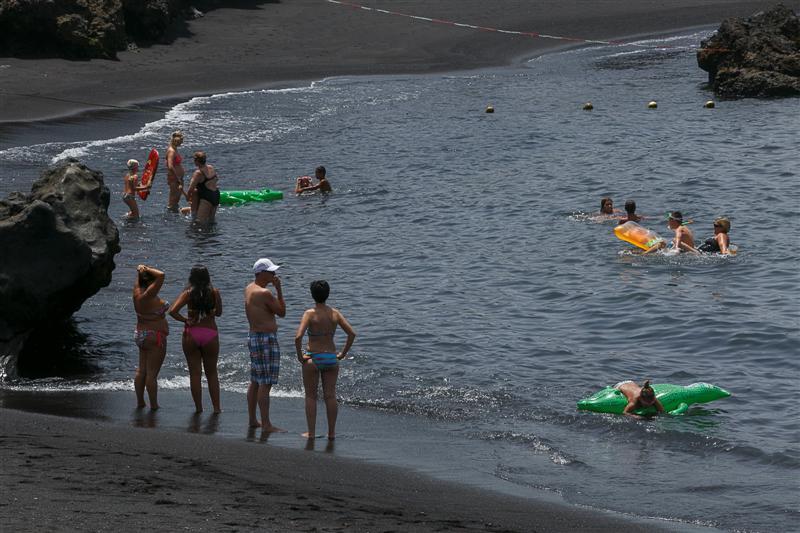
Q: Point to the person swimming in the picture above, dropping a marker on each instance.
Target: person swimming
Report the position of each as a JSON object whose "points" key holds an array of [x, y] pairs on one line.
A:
{"points": [[638, 397], [323, 185], [684, 239], [630, 213], [720, 242], [607, 207], [302, 183]]}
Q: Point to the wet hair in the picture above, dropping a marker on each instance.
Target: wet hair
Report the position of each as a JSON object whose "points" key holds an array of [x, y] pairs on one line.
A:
{"points": [[630, 207], [677, 216], [201, 293], [604, 201], [200, 157], [320, 291], [647, 390], [321, 170], [145, 279]]}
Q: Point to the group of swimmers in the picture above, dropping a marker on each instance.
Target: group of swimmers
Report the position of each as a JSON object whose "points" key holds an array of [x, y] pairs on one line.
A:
{"points": [[202, 194], [683, 240], [200, 341]]}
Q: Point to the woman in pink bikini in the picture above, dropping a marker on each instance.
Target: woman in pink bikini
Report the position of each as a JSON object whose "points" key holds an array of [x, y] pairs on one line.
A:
{"points": [[200, 338], [150, 334], [175, 171]]}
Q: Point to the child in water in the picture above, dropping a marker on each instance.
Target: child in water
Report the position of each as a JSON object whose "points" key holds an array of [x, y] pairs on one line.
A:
{"points": [[131, 179], [302, 183]]}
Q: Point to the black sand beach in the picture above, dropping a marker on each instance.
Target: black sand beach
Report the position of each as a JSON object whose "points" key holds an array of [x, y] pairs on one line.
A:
{"points": [[93, 474], [83, 474], [271, 44]]}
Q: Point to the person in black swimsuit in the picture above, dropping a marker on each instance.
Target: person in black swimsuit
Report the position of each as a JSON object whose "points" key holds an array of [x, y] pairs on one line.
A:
{"points": [[204, 186], [720, 242]]}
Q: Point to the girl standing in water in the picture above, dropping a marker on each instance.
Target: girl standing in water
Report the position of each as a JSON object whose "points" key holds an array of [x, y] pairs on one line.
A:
{"points": [[131, 179]]}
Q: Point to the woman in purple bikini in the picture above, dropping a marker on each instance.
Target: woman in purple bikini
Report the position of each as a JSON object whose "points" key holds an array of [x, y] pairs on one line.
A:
{"points": [[150, 334], [200, 338]]}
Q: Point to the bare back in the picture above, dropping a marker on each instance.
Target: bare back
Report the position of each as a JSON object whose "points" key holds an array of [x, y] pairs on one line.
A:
{"points": [[257, 307], [322, 321], [683, 235]]}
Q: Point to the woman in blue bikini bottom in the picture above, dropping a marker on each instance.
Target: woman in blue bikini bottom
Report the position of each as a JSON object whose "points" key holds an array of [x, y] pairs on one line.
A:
{"points": [[320, 360]]}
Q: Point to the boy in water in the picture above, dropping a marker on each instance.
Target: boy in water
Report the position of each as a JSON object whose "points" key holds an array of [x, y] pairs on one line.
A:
{"points": [[684, 240], [630, 210]]}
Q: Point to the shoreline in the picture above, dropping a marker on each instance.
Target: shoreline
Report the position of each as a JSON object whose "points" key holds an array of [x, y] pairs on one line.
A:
{"points": [[127, 468], [218, 56]]}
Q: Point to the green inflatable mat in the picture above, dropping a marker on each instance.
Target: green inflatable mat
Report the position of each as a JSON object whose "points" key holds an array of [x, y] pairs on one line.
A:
{"points": [[240, 197], [675, 399]]}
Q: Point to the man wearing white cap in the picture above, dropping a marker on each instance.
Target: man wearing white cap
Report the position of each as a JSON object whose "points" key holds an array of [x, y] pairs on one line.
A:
{"points": [[261, 307]]}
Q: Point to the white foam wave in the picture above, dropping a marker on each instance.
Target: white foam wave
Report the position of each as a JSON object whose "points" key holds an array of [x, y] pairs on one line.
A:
{"points": [[126, 385]]}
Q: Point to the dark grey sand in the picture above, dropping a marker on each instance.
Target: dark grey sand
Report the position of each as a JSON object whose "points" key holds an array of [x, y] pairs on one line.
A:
{"points": [[273, 43], [86, 475]]}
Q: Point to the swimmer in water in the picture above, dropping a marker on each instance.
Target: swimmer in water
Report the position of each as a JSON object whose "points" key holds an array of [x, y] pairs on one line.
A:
{"points": [[720, 242], [322, 185], [607, 207], [638, 397], [684, 240], [630, 210], [302, 183]]}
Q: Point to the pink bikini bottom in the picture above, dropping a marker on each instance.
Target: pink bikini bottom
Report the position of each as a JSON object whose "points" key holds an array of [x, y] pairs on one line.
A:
{"points": [[200, 335]]}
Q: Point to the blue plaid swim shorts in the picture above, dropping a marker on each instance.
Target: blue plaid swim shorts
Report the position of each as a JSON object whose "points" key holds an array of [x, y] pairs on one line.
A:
{"points": [[265, 358]]}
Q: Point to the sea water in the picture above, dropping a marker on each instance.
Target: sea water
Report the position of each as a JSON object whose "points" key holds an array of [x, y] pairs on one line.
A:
{"points": [[488, 300]]}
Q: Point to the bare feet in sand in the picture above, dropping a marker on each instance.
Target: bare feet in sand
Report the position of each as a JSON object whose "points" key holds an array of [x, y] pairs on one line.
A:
{"points": [[269, 428]]}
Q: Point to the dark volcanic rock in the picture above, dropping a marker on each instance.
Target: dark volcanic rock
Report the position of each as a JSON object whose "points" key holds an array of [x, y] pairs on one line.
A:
{"points": [[58, 245], [78, 29], [754, 57], [84, 29]]}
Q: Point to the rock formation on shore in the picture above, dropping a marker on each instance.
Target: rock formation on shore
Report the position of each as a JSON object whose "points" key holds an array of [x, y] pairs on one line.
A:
{"points": [[86, 29], [754, 57], [58, 245]]}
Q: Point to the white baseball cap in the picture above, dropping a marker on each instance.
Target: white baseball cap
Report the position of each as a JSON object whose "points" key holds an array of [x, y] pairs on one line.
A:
{"points": [[264, 265]]}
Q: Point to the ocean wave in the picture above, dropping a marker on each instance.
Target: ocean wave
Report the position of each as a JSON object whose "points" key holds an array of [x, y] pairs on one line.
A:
{"points": [[537, 444]]}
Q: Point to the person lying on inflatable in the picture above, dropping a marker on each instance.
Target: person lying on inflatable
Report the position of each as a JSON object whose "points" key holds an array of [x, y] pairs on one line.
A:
{"points": [[639, 398], [628, 398]]}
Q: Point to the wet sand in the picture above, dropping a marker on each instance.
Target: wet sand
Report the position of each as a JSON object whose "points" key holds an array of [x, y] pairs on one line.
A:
{"points": [[275, 44], [93, 474]]}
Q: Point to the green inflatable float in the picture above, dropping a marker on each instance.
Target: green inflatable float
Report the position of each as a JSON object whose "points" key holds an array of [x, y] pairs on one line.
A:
{"points": [[240, 197], [675, 398]]}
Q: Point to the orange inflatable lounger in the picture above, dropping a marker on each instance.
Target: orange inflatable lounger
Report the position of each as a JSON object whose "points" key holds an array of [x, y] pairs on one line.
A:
{"points": [[637, 235]]}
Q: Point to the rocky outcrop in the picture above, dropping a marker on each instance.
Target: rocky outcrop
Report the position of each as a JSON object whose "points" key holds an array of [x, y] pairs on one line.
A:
{"points": [[58, 245], [85, 29], [754, 57]]}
